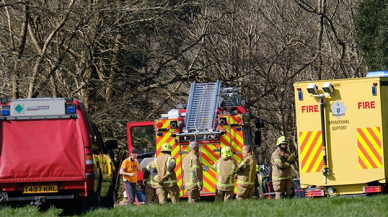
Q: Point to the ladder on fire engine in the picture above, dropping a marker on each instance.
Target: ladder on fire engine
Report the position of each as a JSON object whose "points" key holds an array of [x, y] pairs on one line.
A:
{"points": [[202, 108]]}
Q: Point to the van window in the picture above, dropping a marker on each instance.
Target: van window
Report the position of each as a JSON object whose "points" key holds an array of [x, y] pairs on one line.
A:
{"points": [[143, 138], [96, 145]]}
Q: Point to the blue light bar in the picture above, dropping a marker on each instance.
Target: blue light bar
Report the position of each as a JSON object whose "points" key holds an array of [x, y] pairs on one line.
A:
{"points": [[300, 95], [377, 74], [4, 112], [70, 110], [374, 90]]}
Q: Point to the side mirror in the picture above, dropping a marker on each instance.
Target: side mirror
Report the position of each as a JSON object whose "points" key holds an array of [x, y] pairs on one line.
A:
{"points": [[111, 144], [258, 138]]}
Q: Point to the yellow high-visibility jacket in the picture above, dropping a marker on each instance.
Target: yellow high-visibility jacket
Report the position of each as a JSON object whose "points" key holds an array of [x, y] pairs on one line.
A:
{"points": [[247, 172], [192, 170], [281, 165], [162, 163], [225, 168], [150, 182]]}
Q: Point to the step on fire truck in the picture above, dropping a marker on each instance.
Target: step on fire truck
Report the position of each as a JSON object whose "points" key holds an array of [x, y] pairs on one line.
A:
{"points": [[343, 135], [214, 117]]}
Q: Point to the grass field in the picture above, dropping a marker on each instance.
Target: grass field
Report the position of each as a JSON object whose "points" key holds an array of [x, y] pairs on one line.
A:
{"points": [[344, 206]]}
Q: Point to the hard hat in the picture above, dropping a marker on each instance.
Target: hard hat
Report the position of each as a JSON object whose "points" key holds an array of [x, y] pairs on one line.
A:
{"points": [[226, 151], [166, 147], [282, 140]]}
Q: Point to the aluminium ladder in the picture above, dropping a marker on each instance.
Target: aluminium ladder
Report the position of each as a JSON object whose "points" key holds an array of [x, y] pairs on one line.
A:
{"points": [[202, 108]]}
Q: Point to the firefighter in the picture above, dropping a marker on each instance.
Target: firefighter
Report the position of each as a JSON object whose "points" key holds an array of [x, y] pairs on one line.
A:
{"points": [[260, 183], [193, 172], [246, 175], [150, 185], [281, 167], [226, 169], [165, 176]]}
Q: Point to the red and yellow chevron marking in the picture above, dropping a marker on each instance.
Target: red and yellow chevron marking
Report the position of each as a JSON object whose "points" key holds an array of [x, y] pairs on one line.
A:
{"points": [[166, 135], [369, 148], [178, 167], [209, 157], [237, 138], [311, 156]]}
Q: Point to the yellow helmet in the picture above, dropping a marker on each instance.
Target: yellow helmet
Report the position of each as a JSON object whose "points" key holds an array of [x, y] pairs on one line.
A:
{"points": [[282, 140], [166, 147], [226, 151]]}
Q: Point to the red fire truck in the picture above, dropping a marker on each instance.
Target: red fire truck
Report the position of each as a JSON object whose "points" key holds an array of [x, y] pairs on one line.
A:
{"points": [[214, 117]]}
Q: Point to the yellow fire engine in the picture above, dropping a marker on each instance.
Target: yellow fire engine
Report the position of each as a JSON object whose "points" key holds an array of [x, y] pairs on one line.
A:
{"points": [[341, 135], [214, 117]]}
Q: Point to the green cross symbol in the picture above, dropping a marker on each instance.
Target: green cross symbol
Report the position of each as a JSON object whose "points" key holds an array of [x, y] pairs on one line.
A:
{"points": [[19, 108]]}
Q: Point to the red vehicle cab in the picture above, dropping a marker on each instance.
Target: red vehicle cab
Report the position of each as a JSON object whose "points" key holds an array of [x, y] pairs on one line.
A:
{"points": [[51, 151]]}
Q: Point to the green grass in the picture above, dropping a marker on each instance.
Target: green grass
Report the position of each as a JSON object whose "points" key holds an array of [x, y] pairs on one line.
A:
{"points": [[29, 211], [344, 206]]}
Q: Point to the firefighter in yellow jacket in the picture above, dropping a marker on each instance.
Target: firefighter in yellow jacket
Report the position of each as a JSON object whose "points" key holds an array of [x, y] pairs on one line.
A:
{"points": [[246, 175], [165, 176], [150, 189], [281, 167], [193, 173], [226, 169]]}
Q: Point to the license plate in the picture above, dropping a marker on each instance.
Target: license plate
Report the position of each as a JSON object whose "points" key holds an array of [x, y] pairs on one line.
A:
{"points": [[40, 189]]}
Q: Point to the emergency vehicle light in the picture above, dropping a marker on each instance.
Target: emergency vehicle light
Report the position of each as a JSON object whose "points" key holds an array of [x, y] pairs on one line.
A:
{"points": [[300, 93], [173, 124], [70, 109], [328, 88], [315, 193], [223, 121], [4, 112], [372, 189], [374, 92], [377, 74], [312, 88]]}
